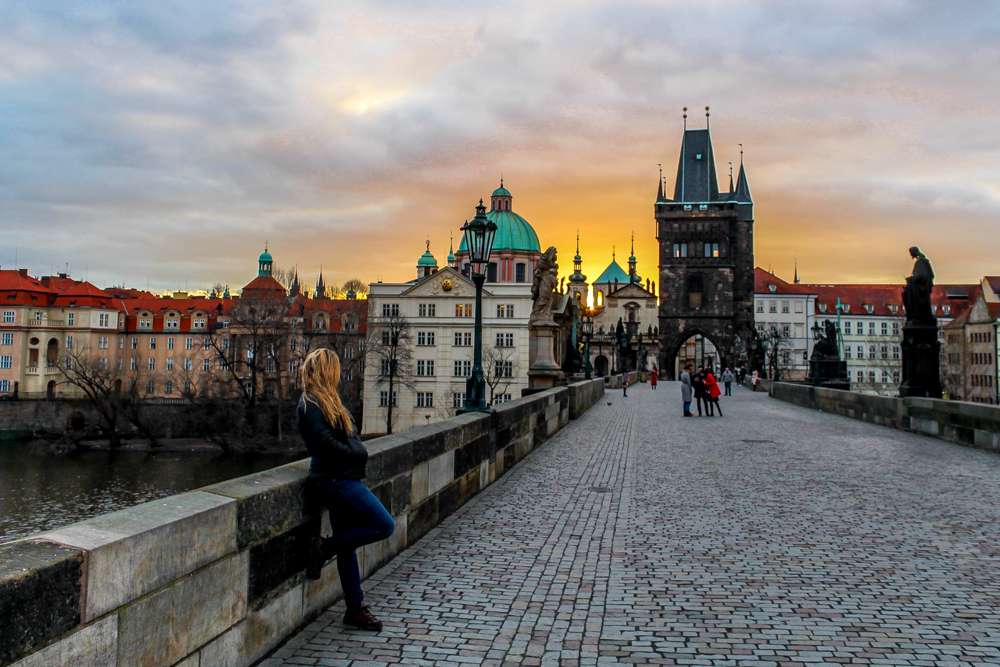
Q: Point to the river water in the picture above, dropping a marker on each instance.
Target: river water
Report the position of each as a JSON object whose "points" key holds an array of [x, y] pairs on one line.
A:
{"points": [[41, 493]]}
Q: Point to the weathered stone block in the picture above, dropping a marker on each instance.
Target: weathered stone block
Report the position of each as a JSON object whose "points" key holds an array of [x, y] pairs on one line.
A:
{"points": [[257, 634], [137, 550], [39, 595], [421, 519], [93, 646], [170, 624], [401, 492], [267, 503], [440, 472], [418, 483], [279, 558]]}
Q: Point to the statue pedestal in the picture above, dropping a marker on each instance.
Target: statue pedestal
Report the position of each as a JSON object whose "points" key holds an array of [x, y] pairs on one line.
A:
{"points": [[921, 361], [543, 371], [829, 374]]}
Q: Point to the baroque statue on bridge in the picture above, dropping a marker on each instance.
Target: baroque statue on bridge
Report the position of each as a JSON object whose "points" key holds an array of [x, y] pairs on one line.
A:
{"points": [[543, 288], [917, 293]]}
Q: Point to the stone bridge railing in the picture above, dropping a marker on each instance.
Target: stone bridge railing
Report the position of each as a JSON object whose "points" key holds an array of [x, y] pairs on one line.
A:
{"points": [[971, 424], [215, 577]]}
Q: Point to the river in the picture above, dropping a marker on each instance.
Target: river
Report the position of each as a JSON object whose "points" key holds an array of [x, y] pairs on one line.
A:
{"points": [[41, 493]]}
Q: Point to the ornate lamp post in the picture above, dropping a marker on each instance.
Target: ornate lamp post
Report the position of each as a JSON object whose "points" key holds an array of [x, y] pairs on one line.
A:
{"points": [[479, 240], [588, 331]]}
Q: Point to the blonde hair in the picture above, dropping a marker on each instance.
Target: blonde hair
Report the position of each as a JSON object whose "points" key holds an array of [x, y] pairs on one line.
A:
{"points": [[320, 377]]}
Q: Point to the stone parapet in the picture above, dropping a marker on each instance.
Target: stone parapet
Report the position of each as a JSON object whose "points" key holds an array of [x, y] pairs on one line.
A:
{"points": [[970, 424], [216, 576]]}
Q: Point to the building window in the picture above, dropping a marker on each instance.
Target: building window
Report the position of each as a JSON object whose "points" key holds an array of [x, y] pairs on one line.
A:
{"points": [[121, 342], [463, 310], [70, 318], [349, 351], [425, 399], [871, 352], [102, 320], [135, 343], [102, 342], [425, 338], [785, 307], [946, 310], [38, 316], [170, 364], [390, 310], [425, 368], [150, 387], [170, 343], [871, 377], [861, 351], [885, 351], [680, 250], [505, 340], [5, 385], [847, 328], [457, 400], [847, 352], [145, 323], [505, 310], [695, 287], [134, 365], [152, 364], [504, 369], [7, 338], [383, 399], [427, 310], [501, 398], [491, 272], [772, 306], [760, 306], [871, 328], [152, 343], [600, 298], [8, 316], [822, 307], [207, 343], [206, 364], [6, 361], [463, 369], [885, 328], [895, 328], [69, 342], [172, 323], [786, 331], [519, 272], [187, 386], [168, 387], [187, 364], [463, 339], [199, 323]]}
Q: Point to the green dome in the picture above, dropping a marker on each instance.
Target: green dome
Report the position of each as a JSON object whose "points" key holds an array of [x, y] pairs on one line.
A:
{"points": [[513, 233], [501, 192], [427, 259], [265, 257], [613, 271]]}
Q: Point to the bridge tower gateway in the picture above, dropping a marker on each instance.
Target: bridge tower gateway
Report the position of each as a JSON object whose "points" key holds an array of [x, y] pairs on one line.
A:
{"points": [[706, 255]]}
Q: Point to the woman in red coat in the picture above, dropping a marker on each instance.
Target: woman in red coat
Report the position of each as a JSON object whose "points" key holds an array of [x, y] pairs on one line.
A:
{"points": [[653, 378], [712, 387]]}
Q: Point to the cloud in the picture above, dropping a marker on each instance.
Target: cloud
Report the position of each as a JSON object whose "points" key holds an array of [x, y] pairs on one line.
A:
{"points": [[171, 139]]}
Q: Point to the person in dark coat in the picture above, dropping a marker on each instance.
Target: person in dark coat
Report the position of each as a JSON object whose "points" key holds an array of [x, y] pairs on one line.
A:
{"points": [[698, 385], [338, 465]]}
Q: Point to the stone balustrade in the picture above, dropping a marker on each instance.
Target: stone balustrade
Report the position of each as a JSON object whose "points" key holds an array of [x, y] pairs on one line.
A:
{"points": [[215, 577], [972, 424]]}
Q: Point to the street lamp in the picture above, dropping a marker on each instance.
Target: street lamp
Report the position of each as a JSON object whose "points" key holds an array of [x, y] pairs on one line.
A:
{"points": [[587, 325], [479, 240]]}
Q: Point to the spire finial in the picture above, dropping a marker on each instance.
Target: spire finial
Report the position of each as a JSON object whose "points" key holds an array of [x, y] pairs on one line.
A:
{"points": [[428, 245], [685, 119], [501, 180], [612, 253], [706, 117], [633, 243], [741, 155], [578, 242], [451, 242]]}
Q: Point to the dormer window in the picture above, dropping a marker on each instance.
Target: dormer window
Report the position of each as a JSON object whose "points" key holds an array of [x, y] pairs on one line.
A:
{"points": [[772, 288], [822, 307], [946, 309], [846, 307], [869, 307], [893, 308]]}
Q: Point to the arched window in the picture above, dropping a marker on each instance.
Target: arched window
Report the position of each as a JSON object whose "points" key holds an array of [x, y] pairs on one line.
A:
{"points": [[600, 298]]}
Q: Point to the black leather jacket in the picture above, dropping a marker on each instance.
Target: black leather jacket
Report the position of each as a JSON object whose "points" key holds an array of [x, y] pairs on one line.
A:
{"points": [[335, 453]]}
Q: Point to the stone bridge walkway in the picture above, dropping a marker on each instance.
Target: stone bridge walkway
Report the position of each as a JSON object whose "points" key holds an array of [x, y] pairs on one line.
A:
{"points": [[775, 535]]}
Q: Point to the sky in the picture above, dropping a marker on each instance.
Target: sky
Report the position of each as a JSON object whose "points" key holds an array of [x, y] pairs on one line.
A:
{"points": [[164, 143]]}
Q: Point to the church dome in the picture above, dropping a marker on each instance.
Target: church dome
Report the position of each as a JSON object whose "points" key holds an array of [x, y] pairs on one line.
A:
{"points": [[427, 259], [514, 233], [265, 257]]}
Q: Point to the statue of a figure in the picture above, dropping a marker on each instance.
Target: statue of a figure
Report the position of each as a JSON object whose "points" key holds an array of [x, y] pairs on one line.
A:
{"points": [[621, 340], [543, 286], [641, 356], [917, 293], [826, 347]]}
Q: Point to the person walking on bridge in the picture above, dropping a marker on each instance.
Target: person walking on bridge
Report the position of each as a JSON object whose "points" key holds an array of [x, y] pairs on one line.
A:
{"points": [[727, 378], [698, 385], [686, 390], [653, 377], [625, 380], [338, 465]]}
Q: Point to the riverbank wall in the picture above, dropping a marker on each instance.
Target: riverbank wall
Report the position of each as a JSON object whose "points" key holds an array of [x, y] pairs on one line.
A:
{"points": [[215, 576]]}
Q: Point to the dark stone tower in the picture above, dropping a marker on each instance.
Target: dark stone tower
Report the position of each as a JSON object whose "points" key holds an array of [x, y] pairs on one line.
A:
{"points": [[706, 256]]}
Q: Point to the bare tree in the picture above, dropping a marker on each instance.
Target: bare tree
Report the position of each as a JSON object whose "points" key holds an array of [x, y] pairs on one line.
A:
{"points": [[500, 369], [389, 348], [284, 276], [104, 382], [246, 355], [359, 286], [883, 357], [776, 349]]}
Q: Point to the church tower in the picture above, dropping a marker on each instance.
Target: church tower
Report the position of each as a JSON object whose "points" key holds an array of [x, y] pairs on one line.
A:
{"points": [[706, 255], [578, 281]]}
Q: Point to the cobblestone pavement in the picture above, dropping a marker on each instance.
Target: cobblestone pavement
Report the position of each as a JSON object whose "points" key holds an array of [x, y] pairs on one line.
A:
{"points": [[775, 535]]}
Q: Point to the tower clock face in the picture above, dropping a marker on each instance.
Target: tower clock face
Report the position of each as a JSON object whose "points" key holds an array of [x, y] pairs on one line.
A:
{"points": [[446, 284]]}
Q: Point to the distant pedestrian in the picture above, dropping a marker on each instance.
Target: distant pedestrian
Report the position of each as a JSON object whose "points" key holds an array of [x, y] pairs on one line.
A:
{"points": [[698, 385], [338, 465], [653, 377], [727, 378], [753, 381], [712, 393], [742, 375], [686, 391], [625, 379]]}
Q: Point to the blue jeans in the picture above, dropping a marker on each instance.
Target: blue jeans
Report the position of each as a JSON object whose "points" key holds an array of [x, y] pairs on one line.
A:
{"points": [[357, 518], [729, 389], [687, 407]]}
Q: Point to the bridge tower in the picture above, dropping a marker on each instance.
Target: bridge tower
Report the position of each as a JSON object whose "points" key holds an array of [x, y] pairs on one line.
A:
{"points": [[706, 255]]}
